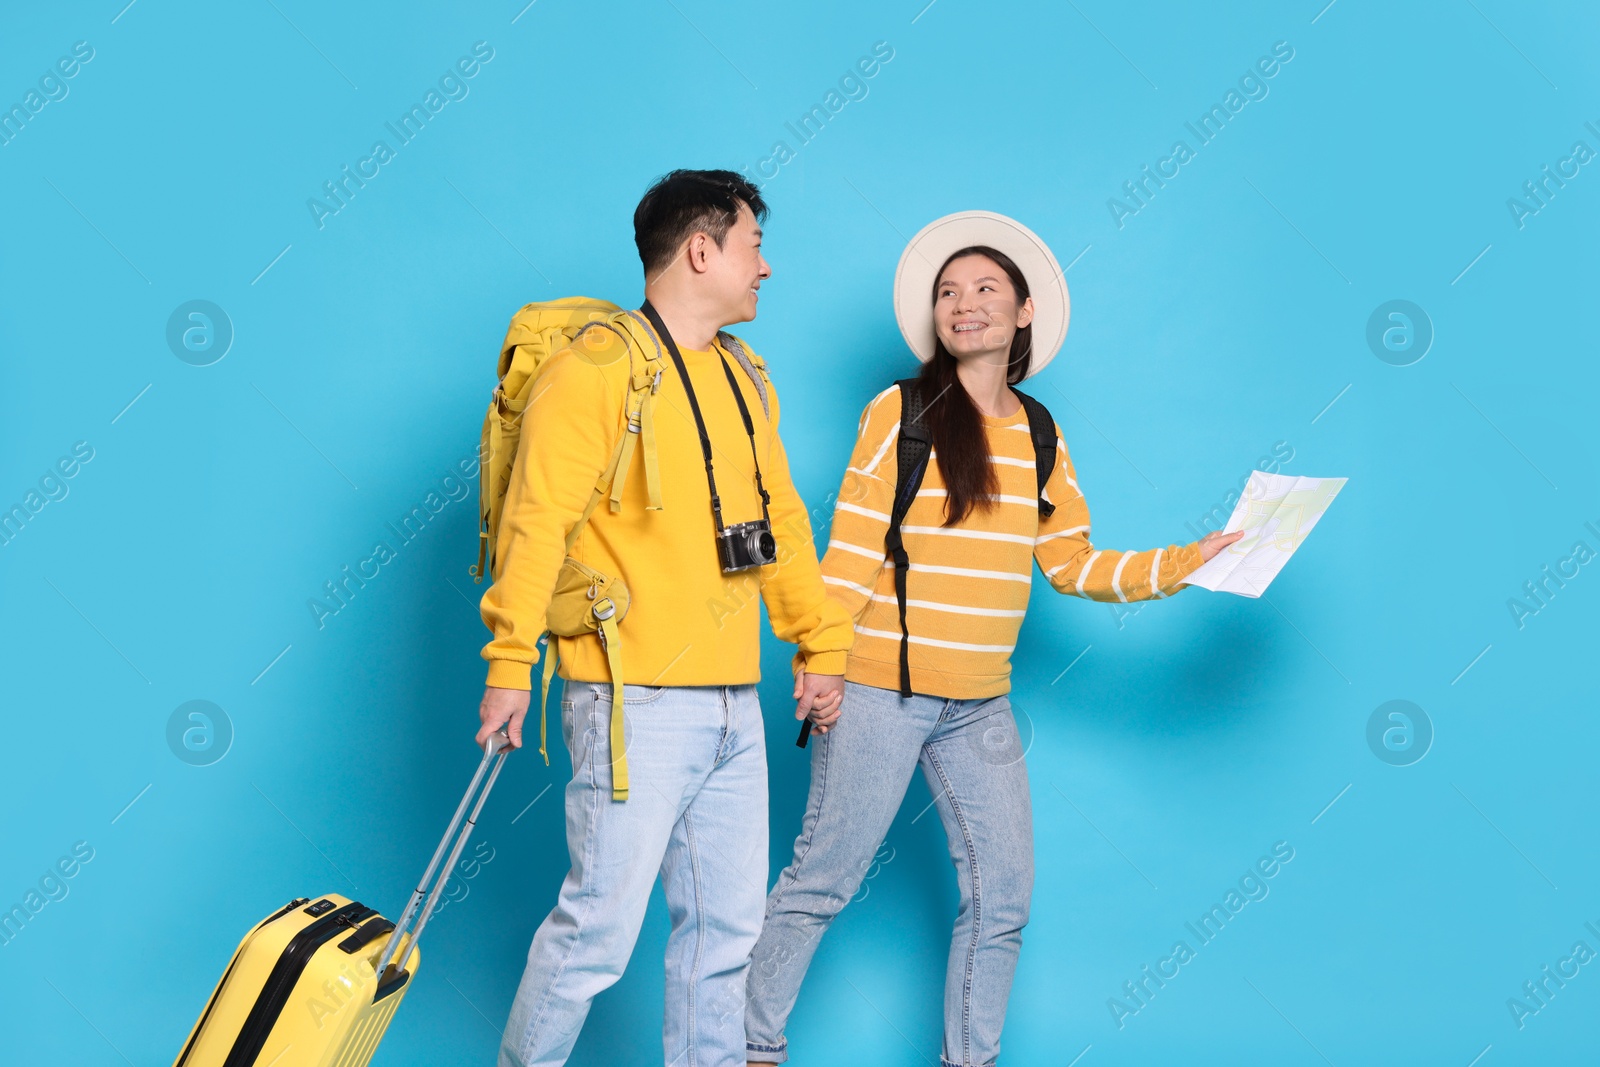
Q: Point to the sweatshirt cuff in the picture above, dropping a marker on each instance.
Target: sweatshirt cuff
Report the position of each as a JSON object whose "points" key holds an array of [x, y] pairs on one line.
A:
{"points": [[823, 662], [1192, 559], [510, 674]]}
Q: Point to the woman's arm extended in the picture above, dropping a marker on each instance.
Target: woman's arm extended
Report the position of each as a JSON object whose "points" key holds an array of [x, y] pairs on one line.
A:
{"points": [[1075, 566]]}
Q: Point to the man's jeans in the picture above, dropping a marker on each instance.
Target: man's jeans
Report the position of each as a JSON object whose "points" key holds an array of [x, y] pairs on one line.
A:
{"points": [[972, 759], [697, 815]]}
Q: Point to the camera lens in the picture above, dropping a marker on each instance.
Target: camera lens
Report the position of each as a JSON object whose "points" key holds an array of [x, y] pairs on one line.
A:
{"points": [[766, 547]]}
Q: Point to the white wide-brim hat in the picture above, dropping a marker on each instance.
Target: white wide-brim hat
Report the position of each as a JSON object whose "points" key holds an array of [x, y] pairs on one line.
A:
{"points": [[919, 265]]}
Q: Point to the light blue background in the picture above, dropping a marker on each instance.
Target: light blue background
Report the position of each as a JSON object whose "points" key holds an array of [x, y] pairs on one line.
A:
{"points": [[1218, 321]]}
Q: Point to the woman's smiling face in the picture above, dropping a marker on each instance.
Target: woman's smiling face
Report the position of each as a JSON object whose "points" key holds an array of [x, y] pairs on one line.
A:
{"points": [[975, 310]]}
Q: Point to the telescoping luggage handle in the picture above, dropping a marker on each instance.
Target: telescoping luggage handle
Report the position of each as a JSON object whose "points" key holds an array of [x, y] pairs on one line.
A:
{"points": [[400, 944]]}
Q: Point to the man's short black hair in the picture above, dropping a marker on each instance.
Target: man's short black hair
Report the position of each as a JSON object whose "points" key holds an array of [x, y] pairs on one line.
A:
{"points": [[686, 202]]}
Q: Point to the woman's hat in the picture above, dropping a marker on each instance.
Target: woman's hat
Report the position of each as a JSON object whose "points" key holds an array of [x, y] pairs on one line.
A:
{"points": [[925, 254]]}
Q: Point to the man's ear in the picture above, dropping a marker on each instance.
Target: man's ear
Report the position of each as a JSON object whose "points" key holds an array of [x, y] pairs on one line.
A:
{"points": [[1025, 313], [697, 252]]}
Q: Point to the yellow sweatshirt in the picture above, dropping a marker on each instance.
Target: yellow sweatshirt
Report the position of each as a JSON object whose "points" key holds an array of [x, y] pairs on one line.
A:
{"points": [[688, 623], [968, 585]]}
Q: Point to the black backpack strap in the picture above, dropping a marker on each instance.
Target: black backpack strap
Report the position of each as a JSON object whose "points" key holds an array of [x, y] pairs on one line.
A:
{"points": [[1042, 427], [912, 449]]}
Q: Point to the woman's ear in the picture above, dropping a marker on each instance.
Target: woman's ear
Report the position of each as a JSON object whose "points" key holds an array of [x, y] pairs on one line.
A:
{"points": [[1025, 313]]}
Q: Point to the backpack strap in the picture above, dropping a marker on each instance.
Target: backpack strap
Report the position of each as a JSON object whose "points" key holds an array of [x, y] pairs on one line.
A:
{"points": [[641, 426], [1042, 427], [752, 366], [911, 457]]}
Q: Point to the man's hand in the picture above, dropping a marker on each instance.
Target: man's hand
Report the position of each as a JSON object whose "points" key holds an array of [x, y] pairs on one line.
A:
{"points": [[499, 707], [820, 696], [1212, 543]]}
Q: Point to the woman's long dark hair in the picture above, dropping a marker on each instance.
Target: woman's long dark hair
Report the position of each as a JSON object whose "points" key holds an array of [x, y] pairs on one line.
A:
{"points": [[954, 422]]}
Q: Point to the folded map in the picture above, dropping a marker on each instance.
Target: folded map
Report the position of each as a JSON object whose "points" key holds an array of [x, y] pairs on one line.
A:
{"points": [[1275, 513]]}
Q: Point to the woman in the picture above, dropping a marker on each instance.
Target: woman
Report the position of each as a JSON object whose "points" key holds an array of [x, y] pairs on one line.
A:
{"points": [[971, 533]]}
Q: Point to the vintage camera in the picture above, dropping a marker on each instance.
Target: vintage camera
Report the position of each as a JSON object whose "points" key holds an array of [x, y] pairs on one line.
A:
{"points": [[746, 545]]}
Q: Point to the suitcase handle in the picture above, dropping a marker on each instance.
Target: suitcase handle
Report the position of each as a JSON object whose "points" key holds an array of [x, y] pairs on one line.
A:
{"points": [[495, 751]]}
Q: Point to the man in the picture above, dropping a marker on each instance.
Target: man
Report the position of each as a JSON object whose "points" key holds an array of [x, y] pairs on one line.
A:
{"points": [[696, 807]]}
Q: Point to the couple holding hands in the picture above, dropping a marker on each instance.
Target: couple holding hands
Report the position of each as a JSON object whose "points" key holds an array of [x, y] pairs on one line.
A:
{"points": [[957, 485]]}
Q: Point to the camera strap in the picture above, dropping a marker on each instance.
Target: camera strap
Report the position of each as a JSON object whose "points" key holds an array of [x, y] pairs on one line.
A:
{"points": [[699, 420]]}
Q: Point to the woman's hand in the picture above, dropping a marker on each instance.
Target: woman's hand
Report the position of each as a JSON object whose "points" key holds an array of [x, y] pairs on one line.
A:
{"points": [[1212, 543], [819, 697]]}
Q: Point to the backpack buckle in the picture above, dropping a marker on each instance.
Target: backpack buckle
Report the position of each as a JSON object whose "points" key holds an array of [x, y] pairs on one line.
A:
{"points": [[604, 609], [655, 383]]}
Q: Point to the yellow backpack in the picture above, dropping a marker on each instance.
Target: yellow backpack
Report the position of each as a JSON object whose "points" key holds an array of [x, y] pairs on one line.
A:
{"points": [[584, 600]]}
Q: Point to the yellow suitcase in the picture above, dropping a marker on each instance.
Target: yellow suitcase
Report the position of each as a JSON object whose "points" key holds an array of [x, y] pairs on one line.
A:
{"points": [[316, 983]]}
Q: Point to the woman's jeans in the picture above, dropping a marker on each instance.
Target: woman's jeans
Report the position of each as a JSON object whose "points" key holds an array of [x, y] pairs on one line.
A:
{"points": [[971, 756], [696, 815]]}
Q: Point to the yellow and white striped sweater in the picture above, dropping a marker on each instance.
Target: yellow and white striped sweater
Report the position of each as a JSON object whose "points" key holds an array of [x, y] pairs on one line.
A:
{"points": [[967, 588]]}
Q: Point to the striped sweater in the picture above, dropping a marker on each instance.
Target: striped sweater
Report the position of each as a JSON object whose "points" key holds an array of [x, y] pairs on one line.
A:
{"points": [[967, 588]]}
